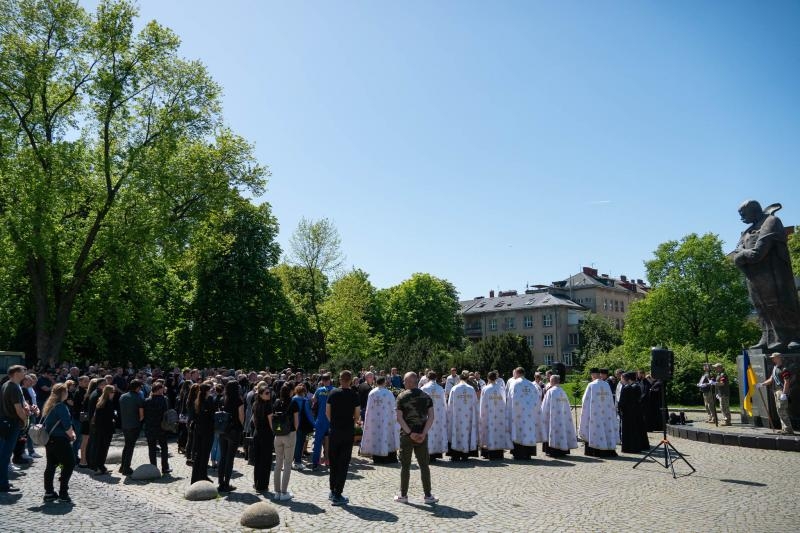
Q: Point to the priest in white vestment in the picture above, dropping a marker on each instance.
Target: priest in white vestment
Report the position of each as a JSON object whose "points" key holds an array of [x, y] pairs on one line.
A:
{"points": [[524, 415], [559, 433], [437, 434], [462, 420], [381, 437], [599, 426], [493, 435], [449, 383]]}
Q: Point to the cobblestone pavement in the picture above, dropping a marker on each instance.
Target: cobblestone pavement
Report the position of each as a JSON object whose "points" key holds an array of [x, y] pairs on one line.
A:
{"points": [[733, 490]]}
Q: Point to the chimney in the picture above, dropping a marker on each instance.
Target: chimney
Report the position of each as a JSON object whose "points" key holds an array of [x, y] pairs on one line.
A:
{"points": [[605, 275], [590, 271], [491, 293], [640, 282], [623, 277]]}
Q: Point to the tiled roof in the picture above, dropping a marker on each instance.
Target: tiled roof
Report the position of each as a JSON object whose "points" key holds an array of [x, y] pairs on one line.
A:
{"points": [[511, 303]]}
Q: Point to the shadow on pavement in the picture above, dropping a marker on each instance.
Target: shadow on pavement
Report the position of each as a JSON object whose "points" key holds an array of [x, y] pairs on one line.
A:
{"points": [[371, 515], [242, 497], [10, 498], [584, 459], [444, 511], [471, 463], [551, 462], [743, 482], [304, 507], [54, 509]]}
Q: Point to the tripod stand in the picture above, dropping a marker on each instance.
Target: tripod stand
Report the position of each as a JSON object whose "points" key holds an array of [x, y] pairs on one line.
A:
{"points": [[669, 459]]}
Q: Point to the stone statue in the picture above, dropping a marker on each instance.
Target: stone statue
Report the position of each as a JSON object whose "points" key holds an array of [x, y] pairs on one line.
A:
{"points": [[763, 255]]}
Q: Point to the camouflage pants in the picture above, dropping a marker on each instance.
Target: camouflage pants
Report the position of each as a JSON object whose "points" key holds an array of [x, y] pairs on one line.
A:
{"points": [[725, 407], [783, 411], [708, 400]]}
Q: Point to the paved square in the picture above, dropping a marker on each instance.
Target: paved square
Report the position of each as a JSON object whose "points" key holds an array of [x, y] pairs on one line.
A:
{"points": [[734, 489]]}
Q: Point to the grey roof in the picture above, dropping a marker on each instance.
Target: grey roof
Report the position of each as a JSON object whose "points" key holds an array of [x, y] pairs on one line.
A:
{"points": [[582, 280], [512, 303]]}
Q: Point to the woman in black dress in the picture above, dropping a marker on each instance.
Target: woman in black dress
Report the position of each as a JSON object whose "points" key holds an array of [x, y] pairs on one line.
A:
{"points": [[229, 441], [202, 432], [263, 438], [104, 424], [87, 439]]}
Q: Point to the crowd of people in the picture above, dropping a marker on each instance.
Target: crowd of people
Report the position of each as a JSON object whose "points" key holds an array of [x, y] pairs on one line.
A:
{"points": [[289, 421]]}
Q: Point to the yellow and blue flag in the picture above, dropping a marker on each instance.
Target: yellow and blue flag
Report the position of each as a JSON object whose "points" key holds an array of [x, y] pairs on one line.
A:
{"points": [[749, 384]]}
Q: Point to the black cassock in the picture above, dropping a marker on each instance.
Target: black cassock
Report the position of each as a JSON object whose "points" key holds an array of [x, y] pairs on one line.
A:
{"points": [[632, 425]]}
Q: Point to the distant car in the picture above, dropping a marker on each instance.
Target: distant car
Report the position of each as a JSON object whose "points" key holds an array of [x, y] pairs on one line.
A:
{"points": [[8, 359]]}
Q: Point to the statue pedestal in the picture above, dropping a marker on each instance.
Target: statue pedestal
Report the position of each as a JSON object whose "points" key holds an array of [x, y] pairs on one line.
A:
{"points": [[763, 399]]}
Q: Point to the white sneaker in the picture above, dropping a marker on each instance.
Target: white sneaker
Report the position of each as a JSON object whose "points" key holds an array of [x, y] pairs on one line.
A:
{"points": [[431, 499], [286, 496], [36, 455], [26, 457], [13, 468], [278, 496], [401, 499], [298, 466]]}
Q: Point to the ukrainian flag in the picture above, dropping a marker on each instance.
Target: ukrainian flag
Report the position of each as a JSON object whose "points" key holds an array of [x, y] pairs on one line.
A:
{"points": [[749, 384]]}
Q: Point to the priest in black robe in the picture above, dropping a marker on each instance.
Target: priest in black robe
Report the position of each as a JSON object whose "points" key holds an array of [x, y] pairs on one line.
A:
{"points": [[631, 415]]}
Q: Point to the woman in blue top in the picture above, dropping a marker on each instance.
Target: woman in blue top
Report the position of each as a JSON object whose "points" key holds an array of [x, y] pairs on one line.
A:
{"points": [[306, 425], [58, 422]]}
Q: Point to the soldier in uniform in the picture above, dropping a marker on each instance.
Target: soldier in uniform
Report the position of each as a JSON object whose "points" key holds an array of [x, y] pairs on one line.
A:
{"points": [[707, 389], [780, 380], [723, 386]]}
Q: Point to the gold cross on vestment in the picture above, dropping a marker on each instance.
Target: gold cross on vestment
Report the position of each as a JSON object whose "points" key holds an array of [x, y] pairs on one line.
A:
{"points": [[463, 396]]}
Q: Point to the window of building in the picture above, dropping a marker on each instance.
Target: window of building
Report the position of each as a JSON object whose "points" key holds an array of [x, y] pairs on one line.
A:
{"points": [[493, 324], [510, 322], [605, 304], [566, 358], [616, 306], [549, 359], [572, 339], [547, 320], [527, 321], [548, 340], [529, 338], [622, 307]]}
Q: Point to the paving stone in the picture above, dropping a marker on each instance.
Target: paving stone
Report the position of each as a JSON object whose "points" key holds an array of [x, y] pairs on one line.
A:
{"points": [[261, 515], [201, 491], [146, 472]]}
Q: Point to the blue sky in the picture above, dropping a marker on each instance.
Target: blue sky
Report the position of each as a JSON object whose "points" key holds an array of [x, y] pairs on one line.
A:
{"points": [[496, 144]]}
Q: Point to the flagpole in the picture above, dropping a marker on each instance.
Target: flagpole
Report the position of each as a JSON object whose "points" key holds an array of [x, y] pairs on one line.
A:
{"points": [[766, 406]]}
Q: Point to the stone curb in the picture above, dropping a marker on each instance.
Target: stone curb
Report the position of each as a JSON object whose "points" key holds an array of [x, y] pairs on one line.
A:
{"points": [[725, 438]]}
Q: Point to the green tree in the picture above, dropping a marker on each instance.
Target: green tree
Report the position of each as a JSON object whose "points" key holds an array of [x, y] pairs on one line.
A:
{"points": [[698, 298], [234, 315], [316, 248], [298, 287], [794, 250], [503, 353], [350, 317], [597, 335], [111, 148], [423, 306]]}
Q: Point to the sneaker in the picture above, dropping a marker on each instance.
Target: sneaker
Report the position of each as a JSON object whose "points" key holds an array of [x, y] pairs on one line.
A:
{"points": [[277, 496], [338, 499], [430, 498], [401, 499], [298, 466], [166, 471], [286, 496], [314, 468], [50, 496], [36, 455], [27, 457], [331, 496], [13, 468], [64, 498]]}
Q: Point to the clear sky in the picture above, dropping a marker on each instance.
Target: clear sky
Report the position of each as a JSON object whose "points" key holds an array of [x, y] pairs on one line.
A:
{"points": [[496, 144]]}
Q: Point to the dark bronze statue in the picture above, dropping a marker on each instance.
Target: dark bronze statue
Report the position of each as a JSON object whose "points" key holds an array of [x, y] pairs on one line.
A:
{"points": [[763, 255]]}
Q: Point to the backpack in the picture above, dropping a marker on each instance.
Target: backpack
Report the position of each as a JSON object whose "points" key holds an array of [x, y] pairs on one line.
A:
{"points": [[38, 432], [281, 419], [169, 422]]}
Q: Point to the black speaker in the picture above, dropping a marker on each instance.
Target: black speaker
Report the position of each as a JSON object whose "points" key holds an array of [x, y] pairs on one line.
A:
{"points": [[561, 370], [661, 363]]}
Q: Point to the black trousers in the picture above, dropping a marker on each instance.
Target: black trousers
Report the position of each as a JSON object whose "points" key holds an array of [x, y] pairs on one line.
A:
{"points": [[190, 441], [202, 451], [183, 435], [102, 441], [58, 452], [127, 451], [340, 452], [261, 451], [227, 451], [160, 440]]}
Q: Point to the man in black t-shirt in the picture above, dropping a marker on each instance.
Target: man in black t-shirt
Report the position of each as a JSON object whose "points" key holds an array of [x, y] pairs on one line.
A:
{"points": [[13, 416], [363, 391], [342, 410]]}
